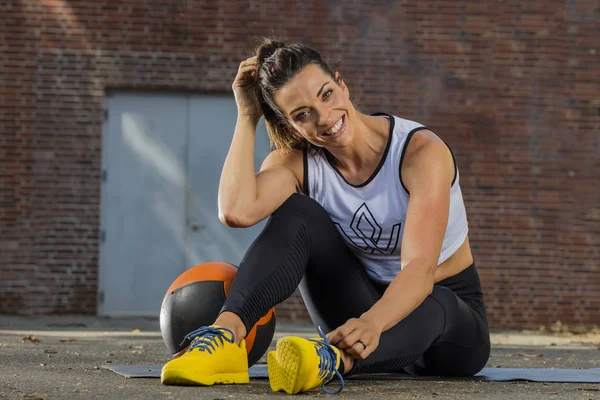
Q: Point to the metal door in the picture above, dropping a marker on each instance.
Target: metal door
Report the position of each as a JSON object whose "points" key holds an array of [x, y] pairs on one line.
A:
{"points": [[162, 159], [212, 123]]}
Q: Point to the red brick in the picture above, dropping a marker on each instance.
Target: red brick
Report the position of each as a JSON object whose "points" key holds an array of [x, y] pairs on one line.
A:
{"points": [[512, 87]]}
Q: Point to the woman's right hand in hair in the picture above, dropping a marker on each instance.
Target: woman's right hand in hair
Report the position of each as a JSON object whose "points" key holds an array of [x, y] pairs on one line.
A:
{"points": [[244, 87]]}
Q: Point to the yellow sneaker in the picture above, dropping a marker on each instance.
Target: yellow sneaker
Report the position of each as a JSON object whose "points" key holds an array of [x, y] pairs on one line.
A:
{"points": [[300, 364], [212, 357]]}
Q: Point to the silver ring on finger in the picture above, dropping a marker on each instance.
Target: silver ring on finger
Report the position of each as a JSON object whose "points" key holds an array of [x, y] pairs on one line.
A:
{"points": [[363, 344]]}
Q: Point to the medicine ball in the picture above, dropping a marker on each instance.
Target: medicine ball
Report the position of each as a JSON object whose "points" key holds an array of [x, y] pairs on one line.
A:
{"points": [[195, 299]]}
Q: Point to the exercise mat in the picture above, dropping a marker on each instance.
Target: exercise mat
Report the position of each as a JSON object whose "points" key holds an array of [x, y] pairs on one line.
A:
{"points": [[259, 371]]}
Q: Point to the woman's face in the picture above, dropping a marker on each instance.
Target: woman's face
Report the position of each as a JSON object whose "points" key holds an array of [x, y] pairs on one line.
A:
{"points": [[317, 107]]}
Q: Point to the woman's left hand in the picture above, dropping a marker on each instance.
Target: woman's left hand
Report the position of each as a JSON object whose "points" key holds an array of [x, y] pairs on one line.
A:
{"points": [[357, 337]]}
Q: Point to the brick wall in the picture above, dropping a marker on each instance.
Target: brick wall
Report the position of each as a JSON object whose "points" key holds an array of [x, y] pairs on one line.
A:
{"points": [[513, 86]]}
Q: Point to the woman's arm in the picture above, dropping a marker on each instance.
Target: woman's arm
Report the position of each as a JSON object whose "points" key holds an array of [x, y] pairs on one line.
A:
{"points": [[246, 198], [427, 173]]}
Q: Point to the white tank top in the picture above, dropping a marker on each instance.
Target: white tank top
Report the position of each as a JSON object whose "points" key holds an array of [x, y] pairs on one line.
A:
{"points": [[370, 217]]}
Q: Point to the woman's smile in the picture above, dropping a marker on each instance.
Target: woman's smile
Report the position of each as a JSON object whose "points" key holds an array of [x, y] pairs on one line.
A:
{"points": [[336, 130]]}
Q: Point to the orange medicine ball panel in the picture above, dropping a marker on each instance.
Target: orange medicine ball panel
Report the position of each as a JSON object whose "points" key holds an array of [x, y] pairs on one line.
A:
{"points": [[211, 271]]}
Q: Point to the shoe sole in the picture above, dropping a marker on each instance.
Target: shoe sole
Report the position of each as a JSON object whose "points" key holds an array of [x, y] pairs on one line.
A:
{"points": [[187, 378], [287, 372]]}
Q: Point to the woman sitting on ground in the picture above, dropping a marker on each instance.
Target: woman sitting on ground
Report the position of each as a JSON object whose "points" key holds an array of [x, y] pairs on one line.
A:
{"points": [[366, 216]]}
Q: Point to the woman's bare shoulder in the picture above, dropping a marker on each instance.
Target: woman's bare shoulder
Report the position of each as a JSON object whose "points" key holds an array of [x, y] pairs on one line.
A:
{"points": [[290, 159]]}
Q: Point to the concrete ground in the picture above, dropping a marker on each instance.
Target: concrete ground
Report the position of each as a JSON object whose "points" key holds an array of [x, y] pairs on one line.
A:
{"points": [[60, 358]]}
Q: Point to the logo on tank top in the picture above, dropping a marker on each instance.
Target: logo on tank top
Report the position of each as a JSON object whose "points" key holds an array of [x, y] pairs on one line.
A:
{"points": [[368, 234]]}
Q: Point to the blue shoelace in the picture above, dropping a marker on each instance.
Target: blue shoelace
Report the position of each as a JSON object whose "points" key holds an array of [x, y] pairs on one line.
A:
{"points": [[327, 362], [206, 337]]}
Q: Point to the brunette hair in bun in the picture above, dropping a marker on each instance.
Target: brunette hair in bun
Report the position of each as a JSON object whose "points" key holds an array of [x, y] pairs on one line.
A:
{"points": [[278, 62]]}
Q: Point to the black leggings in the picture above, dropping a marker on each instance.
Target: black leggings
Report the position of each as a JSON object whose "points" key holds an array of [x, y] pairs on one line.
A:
{"points": [[447, 335]]}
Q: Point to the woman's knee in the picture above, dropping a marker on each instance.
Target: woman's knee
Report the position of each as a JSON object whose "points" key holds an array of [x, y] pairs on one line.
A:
{"points": [[453, 360], [462, 324], [301, 205]]}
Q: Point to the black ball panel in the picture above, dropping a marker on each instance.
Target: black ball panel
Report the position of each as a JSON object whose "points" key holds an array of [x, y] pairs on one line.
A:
{"points": [[262, 341], [187, 309]]}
